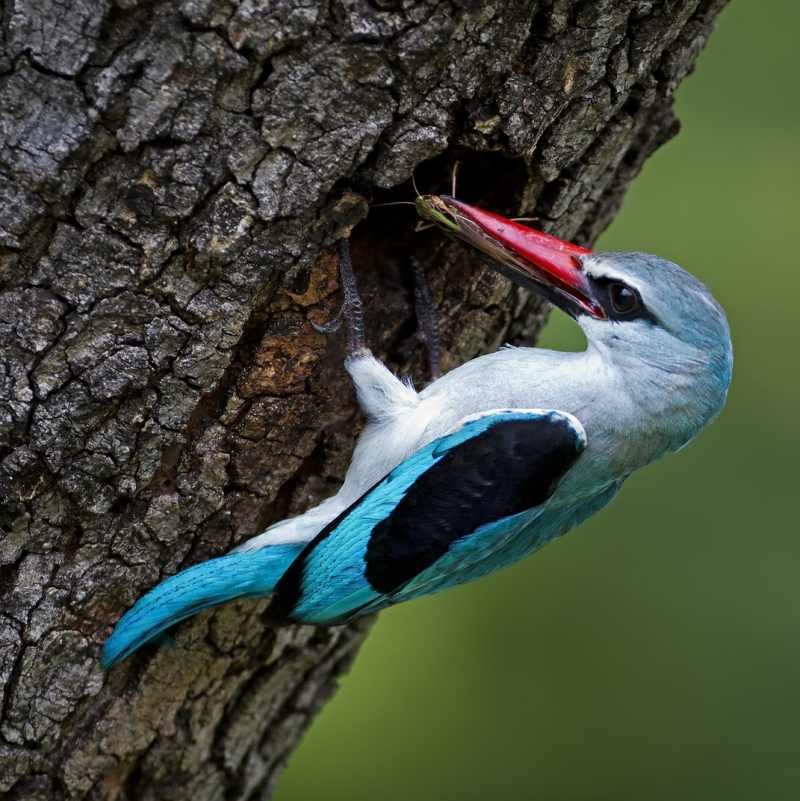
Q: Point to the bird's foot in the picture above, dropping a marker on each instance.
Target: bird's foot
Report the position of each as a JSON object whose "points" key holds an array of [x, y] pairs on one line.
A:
{"points": [[427, 328], [351, 310], [351, 313]]}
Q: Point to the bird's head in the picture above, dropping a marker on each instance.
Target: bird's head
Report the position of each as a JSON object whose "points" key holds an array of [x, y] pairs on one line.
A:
{"points": [[649, 318]]}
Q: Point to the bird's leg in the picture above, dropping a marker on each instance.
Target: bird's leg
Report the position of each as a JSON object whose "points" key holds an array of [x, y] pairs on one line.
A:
{"points": [[381, 394], [351, 310], [426, 319]]}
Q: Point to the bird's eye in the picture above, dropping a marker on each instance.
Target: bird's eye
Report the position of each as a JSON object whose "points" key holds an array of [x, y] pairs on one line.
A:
{"points": [[624, 300]]}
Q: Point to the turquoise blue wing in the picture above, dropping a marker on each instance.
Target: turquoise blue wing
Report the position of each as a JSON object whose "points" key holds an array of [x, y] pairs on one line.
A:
{"points": [[455, 501]]}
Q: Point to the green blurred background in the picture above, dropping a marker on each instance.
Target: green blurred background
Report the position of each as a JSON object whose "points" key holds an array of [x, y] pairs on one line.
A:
{"points": [[653, 653]]}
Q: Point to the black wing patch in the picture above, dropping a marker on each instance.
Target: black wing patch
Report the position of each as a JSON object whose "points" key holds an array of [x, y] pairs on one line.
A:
{"points": [[512, 466]]}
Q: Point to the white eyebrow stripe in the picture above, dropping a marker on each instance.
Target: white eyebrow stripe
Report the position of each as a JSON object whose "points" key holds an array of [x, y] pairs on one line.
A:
{"points": [[606, 270]]}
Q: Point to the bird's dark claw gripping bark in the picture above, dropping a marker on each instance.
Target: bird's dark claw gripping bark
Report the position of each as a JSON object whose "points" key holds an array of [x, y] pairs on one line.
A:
{"points": [[428, 330], [351, 310]]}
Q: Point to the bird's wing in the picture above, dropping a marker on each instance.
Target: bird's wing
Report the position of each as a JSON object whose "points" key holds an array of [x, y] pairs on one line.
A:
{"points": [[481, 480]]}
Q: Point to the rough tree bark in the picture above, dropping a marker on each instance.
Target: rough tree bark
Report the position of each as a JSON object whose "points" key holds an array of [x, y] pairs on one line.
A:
{"points": [[172, 178]]}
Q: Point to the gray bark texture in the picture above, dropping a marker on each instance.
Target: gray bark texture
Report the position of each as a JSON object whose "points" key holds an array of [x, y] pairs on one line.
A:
{"points": [[173, 177]]}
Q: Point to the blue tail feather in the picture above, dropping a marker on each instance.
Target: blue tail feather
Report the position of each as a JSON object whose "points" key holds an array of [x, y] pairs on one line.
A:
{"points": [[237, 575]]}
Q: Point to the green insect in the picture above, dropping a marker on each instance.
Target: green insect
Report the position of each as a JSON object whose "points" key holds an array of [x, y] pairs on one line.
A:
{"points": [[434, 211]]}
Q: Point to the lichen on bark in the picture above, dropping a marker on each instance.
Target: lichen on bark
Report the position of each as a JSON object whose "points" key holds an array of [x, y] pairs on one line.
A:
{"points": [[173, 176]]}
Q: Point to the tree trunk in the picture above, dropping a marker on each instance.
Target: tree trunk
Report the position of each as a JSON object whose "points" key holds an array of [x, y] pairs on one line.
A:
{"points": [[173, 176]]}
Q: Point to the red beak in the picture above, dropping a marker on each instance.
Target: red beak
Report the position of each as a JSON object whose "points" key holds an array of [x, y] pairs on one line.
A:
{"points": [[549, 265]]}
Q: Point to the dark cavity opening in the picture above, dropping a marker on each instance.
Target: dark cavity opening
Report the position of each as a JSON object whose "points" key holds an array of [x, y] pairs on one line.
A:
{"points": [[388, 236]]}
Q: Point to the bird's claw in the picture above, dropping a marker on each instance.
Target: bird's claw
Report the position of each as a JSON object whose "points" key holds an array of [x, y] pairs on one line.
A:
{"points": [[351, 310], [427, 331], [331, 326]]}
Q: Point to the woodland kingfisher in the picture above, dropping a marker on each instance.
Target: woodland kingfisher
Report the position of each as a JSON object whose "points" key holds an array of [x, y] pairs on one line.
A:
{"points": [[494, 459]]}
